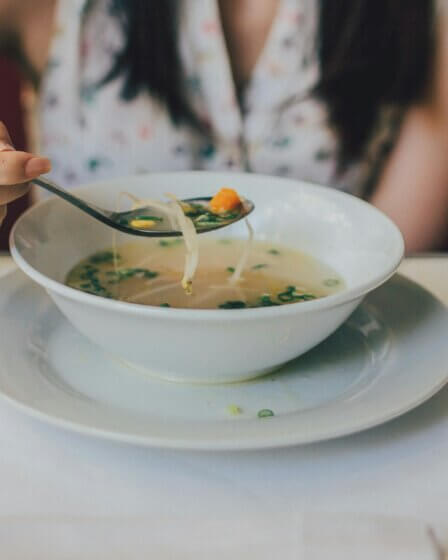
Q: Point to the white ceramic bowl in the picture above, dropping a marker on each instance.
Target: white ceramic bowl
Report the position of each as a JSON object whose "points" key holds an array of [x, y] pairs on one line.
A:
{"points": [[354, 238]]}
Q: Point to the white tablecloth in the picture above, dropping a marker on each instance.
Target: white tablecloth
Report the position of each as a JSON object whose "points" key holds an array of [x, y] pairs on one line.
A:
{"points": [[400, 468]]}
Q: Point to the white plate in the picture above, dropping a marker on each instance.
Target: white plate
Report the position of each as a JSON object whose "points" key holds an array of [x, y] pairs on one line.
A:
{"points": [[389, 357]]}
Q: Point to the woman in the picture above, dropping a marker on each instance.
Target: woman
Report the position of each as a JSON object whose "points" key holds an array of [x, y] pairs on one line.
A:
{"points": [[352, 94]]}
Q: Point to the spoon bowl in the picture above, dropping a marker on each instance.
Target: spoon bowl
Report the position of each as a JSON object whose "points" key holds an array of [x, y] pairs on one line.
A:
{"points": [[122, 221]]}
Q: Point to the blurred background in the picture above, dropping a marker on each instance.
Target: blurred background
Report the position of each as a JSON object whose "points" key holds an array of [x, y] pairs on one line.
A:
{"points": [[16, 109], [13, 104]]}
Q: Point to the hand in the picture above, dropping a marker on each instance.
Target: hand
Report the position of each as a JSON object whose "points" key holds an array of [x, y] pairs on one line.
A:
{"points": [[16, 169]]}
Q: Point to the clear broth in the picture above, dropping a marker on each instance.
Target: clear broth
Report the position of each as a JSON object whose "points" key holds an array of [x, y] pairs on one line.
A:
{"points": [[149, 273]]}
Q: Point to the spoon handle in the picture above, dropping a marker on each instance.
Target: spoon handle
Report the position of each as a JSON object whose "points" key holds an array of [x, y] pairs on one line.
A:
{"points": [[72, 199]]}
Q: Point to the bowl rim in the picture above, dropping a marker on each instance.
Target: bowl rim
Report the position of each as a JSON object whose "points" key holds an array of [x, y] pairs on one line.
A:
{"points": [[325, 303]]}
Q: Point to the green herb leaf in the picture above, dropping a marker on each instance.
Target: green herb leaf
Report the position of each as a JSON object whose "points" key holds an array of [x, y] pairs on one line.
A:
{"points": [[124, 273], [207, 217], [259, 266], [287, 295], [169, 243], [265, 413], [237, 304], [229, 216], [274, 252], [103, 257], [266, 301], [165, 305], [290, 295], [192, 210], [230, 269]]}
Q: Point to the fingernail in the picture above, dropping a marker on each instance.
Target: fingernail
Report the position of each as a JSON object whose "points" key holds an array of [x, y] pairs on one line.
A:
{"points": [[37, 166]]}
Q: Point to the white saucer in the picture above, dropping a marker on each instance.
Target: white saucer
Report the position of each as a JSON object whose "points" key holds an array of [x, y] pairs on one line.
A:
{"points": [[389, 357]]}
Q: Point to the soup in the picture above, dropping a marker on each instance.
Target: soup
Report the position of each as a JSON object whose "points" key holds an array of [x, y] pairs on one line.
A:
{"points": [[187, 217], [149, 273]]}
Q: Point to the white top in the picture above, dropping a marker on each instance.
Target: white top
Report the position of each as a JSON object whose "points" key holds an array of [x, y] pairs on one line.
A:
{"points": [[278, 128]]}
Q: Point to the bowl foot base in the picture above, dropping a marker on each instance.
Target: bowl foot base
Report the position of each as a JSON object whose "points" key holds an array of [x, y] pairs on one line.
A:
{"points": [[182, 379]]}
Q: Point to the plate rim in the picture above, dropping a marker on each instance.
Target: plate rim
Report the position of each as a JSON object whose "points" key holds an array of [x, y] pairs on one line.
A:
{"points": [[202, 443]]}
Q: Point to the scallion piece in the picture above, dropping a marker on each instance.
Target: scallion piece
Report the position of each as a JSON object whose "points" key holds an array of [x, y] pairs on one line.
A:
{"points": [[103, 257], [265, 413], [168, 243], [290, 295], [266, 301], [237, 304], [124, 273]]}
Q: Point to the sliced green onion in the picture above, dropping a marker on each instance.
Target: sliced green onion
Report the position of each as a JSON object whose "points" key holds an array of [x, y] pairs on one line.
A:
{"points": [[237, 304], [124, 273], [103, 257], [207, 217], [169, 243], [265, 413], [290, 295], [266, 301]]}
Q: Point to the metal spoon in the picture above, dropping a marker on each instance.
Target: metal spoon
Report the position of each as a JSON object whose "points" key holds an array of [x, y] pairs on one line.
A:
{"points": [[121, 220]]}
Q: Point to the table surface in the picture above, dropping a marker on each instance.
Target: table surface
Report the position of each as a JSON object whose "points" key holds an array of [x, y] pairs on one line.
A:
{"points": [[399, 468]]}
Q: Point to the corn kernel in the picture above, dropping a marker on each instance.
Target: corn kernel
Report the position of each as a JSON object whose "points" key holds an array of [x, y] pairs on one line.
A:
{"points": [[142, 224]]}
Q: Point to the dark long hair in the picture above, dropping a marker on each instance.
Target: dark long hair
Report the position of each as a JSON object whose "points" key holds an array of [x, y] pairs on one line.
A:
{"points": [[372, 53]]}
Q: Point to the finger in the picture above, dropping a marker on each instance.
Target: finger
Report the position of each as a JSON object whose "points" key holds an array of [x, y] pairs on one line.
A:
{"points": [[2, 214], [11, 192], [19, 167]]}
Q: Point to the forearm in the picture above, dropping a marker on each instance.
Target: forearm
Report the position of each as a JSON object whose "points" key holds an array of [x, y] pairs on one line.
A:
{"points": [[413, 189]]}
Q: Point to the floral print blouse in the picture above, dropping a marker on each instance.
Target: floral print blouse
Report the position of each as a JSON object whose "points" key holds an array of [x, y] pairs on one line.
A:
{"points": [[276, 127]]}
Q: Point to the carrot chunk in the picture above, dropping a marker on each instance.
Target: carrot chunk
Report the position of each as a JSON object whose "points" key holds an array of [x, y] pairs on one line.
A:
{"points": [[225, 201]]}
